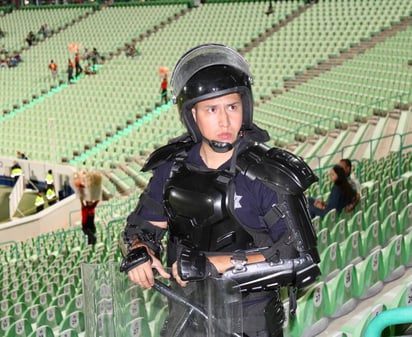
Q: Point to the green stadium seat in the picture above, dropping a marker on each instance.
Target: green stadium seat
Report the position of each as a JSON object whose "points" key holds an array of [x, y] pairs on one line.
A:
{"points": [[138, 327], [339, 231], [19, 328], [370, 215], [75, 304], [5, 323], [43, 331], [5, 305], [73, 321], [330, 261], [339, 299], [310, 318], [369, 274], [67, 333], [32, 313], [355, 223], [17, 310], [157, 324], [405, 219], [393, 258], [356, 325], [324, 239], [388, 228], [407, 259], [60, 301], [385, 207], [351, 249], [401, 200], [52, 317], [370, 238], [44, 299]]}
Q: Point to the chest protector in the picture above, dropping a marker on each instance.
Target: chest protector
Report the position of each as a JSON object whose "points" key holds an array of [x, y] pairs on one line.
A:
{"points": [[199, 204]]}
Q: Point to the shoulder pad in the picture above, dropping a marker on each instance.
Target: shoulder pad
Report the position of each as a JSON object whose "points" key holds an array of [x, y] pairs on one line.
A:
{"points": [[168, 152], [277, 168]]}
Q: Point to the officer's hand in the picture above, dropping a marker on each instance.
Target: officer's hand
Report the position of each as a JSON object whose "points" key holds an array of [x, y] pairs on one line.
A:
{"points": [[177, 277], [143, 274]]}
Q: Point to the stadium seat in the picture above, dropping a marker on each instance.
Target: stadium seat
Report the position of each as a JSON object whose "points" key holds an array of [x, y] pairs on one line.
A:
{"points": [[388, 228], [310, 319], [52, 317], [357, 324], [324, 239], [67, 333], [5, 322], [330, 261], [393, 258], [339, 299], [138, 327], [405, 219], [351, 249], [73, 321], [17, 310], [369, 274], [32, 313], [339, 231], [19, 328], [370, 238], [43, 331]]}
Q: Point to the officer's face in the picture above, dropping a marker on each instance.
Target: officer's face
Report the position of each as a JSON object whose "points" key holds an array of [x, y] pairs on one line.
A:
{"points": [[220, 118]]}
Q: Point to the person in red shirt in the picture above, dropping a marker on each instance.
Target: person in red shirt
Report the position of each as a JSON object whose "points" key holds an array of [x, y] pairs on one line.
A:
{"points": [[88, 225], [78, 67], [163, 87]]}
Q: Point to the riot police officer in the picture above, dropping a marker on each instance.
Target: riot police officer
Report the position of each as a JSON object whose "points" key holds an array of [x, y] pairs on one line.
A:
{"points": [[231, 205]]}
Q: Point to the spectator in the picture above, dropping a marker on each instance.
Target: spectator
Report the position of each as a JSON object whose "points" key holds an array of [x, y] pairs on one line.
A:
{"points": [[347, 166], [70, 68], [21, 155], [340, 196], [53, 68], [2, 33], [95, 56], [90, 70], [77, 65], [86, 54], [88, 225], [16, 171], [49, 178], [31, 38], [39, 201], [163, 90], [51, 195], [4, 50], [44, 30]]}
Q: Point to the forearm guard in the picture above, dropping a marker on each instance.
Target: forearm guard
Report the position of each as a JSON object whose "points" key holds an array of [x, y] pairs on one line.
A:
{"points": [[298, 272], [193, 265], [135, 258]]}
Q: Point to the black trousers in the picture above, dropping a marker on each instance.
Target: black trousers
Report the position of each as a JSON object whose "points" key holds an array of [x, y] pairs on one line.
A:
{"points": [[89, 228]]}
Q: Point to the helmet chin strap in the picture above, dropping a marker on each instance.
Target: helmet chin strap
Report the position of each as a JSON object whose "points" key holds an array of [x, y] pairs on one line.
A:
{"points": [[221, 147]]}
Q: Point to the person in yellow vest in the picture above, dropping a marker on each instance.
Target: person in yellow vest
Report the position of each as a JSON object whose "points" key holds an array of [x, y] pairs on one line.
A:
{"points": [[51, 195], [16, 171], [49, 178], [39, 201]]}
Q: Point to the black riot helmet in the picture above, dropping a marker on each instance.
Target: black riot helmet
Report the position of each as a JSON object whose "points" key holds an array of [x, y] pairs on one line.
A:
{"points": [[209, 71]]}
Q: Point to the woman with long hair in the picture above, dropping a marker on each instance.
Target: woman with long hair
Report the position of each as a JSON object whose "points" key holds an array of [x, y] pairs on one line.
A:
{"points": [[341, 195]]}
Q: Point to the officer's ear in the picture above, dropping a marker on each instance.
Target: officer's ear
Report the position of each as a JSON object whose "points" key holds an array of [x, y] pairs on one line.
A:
{"points": [[194, 114]]}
